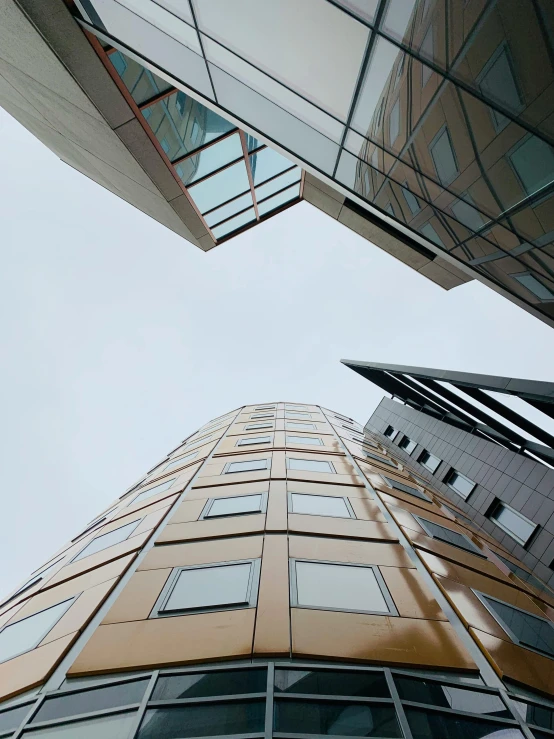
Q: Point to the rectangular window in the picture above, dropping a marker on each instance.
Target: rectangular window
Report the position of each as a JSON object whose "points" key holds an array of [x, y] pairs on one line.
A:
{"points": [[381, 460], [533, 161], [407, 444], [235, 718], [305, 718], [262, 415], [535, 286], [314, 440], [522, 627], [391, 433], [436, 531], [265, 408], [236, 506], [214, 587], [297, 414], [443, 157], [210, 683], [249, 440], [512, 522], [320, 505], [154, 491], [460, 483], [301, 426], [429, 461], [250, 465], [254, 426], [180, 461], [406, 488], [309, 465], [394, 122], [339, 587], [198, 442], [110, 539], [26, 634]]}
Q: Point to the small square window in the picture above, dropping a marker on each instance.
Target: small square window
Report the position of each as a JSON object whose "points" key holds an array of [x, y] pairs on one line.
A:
{"points": [[250, 465], [459, 483], [407, 444], [26, 634], [154, 491], [429, 461], [310, 465], [297, 414], [339, 587], [522, 627], [406, 488], [110, 539], [512, 522], [313, 440], [254, 426], [391, 433], [238, 505], [320, 505], [436, 531], [214, 587], [300, 426], [250, 440]]}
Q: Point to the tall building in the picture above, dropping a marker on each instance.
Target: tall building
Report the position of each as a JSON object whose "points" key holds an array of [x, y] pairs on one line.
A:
{"points": [[472, 438], [279, 573], [423, 125]]}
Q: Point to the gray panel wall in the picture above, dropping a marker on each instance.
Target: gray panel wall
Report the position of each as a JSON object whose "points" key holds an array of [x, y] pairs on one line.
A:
{"points": [[523, 484]]}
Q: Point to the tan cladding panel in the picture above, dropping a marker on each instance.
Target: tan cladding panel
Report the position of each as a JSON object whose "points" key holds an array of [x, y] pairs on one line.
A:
{"points": [[315, 488], [451, 570], [441, 549], [227, 491], [272, 634], [161, 642], [212, 528], [345, 550], [356, 637], [203, 552], [347, 527]]}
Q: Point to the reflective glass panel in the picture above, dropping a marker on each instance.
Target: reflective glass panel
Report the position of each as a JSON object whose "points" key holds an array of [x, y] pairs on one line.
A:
{"points": [[11, 719], [336, 719], [226, 211], [309, 465], [449, 726], [234, 223], [323, 682], [278, 200], [406, 488], [248, 466], [155, 490], [214, 719], [319, 505], [408, 445], [450, 537], [314, 440], [209, 159], [108, 540], [443, 156], [206, 587], [205, 684], [249, 440], [141, 83], [300, 426], [107, 727], [534, 713], [221, 187], [236, 505], [528, 629], [279, 183], [87, 701], [539, 289], [459, 699], [340, 587], [377, 458], [461, 484], [24, 635], [429, 461], [533, 160], [513, 522], [267, 163]]}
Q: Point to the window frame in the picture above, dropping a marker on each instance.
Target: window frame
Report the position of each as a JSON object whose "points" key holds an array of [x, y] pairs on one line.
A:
{"points": [[173, 462], [426, 451], [318, 441], [332, 471], [305, 424], [474, 550], [257, 427], [394, 434], [496, 505], [226, 470], [422, 493], [444, 129], [205, 515], [253, 586], [254, 416], [146, 490], [500, 621], [446, 481], [344, 498], [78, 557], [293, 587], [409, 441], [243, 440], [295, 415], [381, 460]]}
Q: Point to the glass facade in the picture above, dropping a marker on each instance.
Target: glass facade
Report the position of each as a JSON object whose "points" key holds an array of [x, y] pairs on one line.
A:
{"points": [[435, 113]]}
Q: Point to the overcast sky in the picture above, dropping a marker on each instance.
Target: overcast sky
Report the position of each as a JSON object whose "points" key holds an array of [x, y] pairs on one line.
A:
{"points": [[120, 339]]}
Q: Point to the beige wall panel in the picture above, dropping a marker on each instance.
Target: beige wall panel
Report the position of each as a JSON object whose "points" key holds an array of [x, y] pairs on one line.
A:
{"points": [[81, 611], [227, 491], [9, 613], [517, 663], [344, 550], [99, 574], [279, 439], [278, 467], [160, 642], [357, 637], [138, 597], [272, 634], [340, 462], [229, 526], [405, 519], [323, 478], [414, 505], [146, 508], [443, 567], [203, 552], [133, 507], [352, 491], [277, 515], [330, 443], [151, 520], [366, 510], [473, 561], [32, 668], [233, 479], [106, 555], [188, 510], [69, 588], [410, 594], [470, 608], [160, 474], [229, 445], [348, 527]]}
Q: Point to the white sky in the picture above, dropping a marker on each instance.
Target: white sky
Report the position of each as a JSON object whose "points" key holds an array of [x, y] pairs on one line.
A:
{"points": [[120, 339]]}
